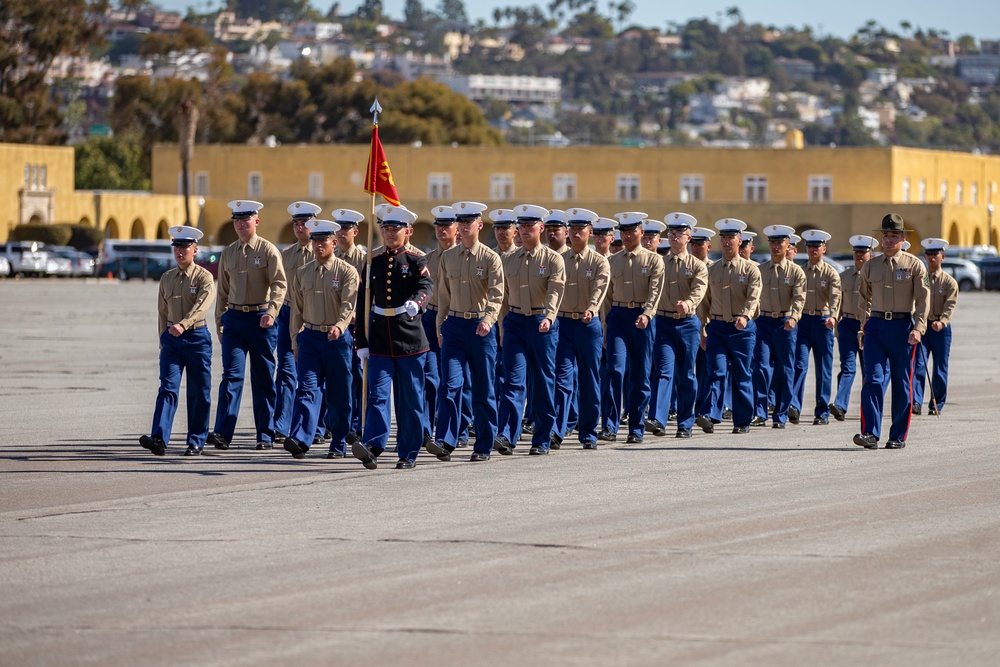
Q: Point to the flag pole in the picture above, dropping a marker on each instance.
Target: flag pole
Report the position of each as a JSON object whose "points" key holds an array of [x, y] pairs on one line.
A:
{"points": [[375, 109]]}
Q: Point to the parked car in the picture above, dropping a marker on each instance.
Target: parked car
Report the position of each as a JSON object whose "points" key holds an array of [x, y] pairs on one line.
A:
{"points": [[4, 267], [989, 267], [58, 267], [973, 252], [81, 263], [26, 258], [112, 248], [208, 257], [965, 272], [141, 266]]}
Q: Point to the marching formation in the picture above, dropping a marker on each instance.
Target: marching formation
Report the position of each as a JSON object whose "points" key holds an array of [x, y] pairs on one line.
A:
{"points": [[605, 328]]}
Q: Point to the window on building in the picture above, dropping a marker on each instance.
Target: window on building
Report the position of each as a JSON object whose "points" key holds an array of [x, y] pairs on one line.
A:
{"points": [[958, 192], [755, 188], [438, 186], [34, 177], [27, 176], [315, 185], [820, 189], [692, 188], [501, 187], [906, 190], [944, 192], [255, 185], [201, 183], [564, 187], [922, 191], [974, 194], [628, 187], [42, 177]]}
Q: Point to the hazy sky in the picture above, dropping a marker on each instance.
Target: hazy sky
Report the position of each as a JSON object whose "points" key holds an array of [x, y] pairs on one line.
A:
{"points": [[842, 18]]}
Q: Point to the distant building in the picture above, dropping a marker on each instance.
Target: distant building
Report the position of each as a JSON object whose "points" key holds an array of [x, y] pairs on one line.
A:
{"points": [[883, 77], [979, 70], [796, 69], [523, 89], [319, 32]]}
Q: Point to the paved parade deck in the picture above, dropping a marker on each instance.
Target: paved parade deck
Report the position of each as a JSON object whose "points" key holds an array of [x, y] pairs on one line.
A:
{"points": [[776, 548]]}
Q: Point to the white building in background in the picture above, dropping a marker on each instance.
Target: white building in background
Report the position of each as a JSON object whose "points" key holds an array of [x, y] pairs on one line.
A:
{"points": [[524, 89], [317, 31]]}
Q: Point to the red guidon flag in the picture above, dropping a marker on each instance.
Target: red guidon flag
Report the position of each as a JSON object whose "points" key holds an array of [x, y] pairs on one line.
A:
{"points": [[378, 179]]}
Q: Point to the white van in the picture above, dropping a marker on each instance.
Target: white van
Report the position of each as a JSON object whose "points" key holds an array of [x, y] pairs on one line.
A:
{"points": [[27, 258], [973, 252], [112, 249]]}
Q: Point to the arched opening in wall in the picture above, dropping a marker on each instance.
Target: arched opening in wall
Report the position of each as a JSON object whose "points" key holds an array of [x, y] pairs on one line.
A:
{"points": [[977, 237], [138, 230], [111, 230], [226, 234], [953, 234], [36, 219], [85, 221], [161, 230], [287, 234]]}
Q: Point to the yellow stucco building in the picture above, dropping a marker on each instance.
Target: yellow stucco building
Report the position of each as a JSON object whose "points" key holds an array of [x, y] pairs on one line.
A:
{"points": [[844, 191]]}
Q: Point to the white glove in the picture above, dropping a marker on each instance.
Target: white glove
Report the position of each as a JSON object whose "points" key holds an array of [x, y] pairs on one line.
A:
{"points": [[363, 354], [411, 308]]}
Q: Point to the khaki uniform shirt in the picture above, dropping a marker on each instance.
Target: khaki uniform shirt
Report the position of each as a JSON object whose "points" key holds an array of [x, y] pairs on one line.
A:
{"points": [[185, 297], [250, 275], [433, 262], [783, 289], [685, 278], [323, 295], [637, 278], [534, 281], [293, 258], [850, 301], [897, 284], [469, 280], [588, 276], [944, 295], [822, 289], [733, 290], [356, 257]]}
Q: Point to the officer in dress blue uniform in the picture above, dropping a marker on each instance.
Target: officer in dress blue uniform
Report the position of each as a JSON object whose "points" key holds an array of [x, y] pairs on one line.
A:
{"points": [[937, 340], [896, 298], [323, 293], [394, 344], [294, 256], [849, 324], [732, 300], [182, 305], [251, 290]]}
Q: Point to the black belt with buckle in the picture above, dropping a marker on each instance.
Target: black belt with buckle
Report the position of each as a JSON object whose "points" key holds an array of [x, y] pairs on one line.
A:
{"points": [[251, 308], [673, 314], [776, 313], [571, 316], [468, 315], [527, 311], [325, 328], [881, 315], [628, 304], [817, 313], [850, 316]]}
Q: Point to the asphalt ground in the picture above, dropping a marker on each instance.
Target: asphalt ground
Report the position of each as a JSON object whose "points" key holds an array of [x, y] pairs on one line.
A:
{"points": [[776, 548]]}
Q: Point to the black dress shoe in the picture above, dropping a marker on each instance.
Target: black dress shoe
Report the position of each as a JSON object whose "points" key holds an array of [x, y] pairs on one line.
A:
{"points": [[264, 445], [727, 414], [793, 415], [758, 421], [607, 436], [683, 433], [821, 421], [656, 428], [866, 440], [932, 410], [528, 427], [479, 456], [672, 416], [705, 423], [537, 450], [295, 448], [439, 449], [837, 412], [462, 443], [405, 464], [217, 441], [279, 437], [155, 445], [777, 425], [192, 451], [335, 455], [740, 430], [633, 439], [327, 435], [364, 454], [353, 437], [502, 445], [555, 442], [317, 439], [895, 444], [472, 431], [624, 419], [590, 444], [915, 409]]}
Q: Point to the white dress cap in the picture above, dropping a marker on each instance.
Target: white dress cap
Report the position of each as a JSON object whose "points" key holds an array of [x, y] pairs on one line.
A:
{"points": [[816, 236], [605, 225], [778, 232], [863, 242], [321, 229], [578, 217], [182, 235], [678, 220], [653, 227], [303, 209], [347, 217], [702, 233], [530, 212], [503, 216], [748, 236], [399, 216], [934, 244], [555, 218], [444, 215], [244, 208], [468, 209], [730, 225]]}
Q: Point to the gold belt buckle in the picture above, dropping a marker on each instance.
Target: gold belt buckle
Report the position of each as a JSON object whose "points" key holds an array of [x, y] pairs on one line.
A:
{"points": [[467, 315], [631, 304], [245, 309], [575, 316]]}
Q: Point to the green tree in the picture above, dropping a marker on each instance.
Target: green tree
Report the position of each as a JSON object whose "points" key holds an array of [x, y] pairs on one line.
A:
{"points": [[111, 163], [453, 10], [286, 11], [414, 15], [432, 113], [591, 25]]}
